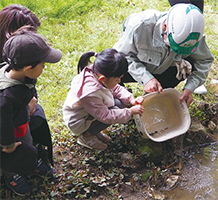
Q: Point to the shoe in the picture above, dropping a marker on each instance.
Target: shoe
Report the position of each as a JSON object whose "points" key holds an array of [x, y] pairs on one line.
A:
{"points": [[200, 90], [43, 170], [104, 137], [17, 184], [91, 142]]}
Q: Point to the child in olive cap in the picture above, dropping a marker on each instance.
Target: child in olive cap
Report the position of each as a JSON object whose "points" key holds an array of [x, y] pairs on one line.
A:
{"points": [[25, 54]]}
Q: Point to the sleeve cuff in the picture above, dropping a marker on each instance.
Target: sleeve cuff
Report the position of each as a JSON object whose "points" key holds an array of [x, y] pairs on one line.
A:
{"points": [[7, 146]]}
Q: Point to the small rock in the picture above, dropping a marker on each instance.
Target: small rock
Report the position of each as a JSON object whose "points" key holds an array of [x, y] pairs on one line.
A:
{"points": [[214, 86], [172, 181], [211, 125], [203, 105], [198, 134], [126, 159], [158, 195]]}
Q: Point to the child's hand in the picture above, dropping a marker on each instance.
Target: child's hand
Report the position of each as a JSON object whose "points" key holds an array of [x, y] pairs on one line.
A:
{"points": [[13, 148], [137, 109], [137, 101], [32, 105]]}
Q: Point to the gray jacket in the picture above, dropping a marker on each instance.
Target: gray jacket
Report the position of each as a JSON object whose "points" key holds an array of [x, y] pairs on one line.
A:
{"points": [[147, 53]]}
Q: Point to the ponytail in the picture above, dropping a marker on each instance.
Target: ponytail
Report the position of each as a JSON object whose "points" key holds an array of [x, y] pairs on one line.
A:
{"points": [[84, 60]]}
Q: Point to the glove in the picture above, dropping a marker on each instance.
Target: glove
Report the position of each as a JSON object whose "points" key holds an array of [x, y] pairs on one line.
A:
{"points": [[183, 68]]}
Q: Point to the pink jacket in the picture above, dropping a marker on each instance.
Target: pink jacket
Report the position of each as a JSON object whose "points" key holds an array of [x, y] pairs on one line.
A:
{"points": [[87, 96]]}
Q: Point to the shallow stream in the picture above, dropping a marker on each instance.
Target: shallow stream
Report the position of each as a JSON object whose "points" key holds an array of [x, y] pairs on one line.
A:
{"points": [[199, 179]]}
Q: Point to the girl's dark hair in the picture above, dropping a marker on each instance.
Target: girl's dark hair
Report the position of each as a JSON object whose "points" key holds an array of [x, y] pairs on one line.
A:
{"points": [[12, 17], [109, 63]]}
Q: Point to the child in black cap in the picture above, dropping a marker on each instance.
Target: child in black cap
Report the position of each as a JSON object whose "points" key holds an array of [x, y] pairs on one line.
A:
{"points": [[25, 54]]}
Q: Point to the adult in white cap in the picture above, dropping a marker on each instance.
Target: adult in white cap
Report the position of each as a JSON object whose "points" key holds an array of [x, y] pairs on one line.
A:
{"points": [[200, 4], [165, 48]]}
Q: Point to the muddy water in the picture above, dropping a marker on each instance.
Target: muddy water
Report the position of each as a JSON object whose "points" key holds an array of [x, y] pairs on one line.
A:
{"points": [[199, 179]]}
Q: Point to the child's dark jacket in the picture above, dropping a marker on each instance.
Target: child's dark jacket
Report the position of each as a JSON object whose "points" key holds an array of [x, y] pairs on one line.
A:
{"points": [[14, 109]]}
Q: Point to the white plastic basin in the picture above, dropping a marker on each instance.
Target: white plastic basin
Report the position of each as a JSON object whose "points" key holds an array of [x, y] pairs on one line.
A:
{"points": [[164, 117]]}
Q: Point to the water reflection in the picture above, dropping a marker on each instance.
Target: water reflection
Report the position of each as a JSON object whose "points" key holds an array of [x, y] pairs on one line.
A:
{"points": [[199, 178]]}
